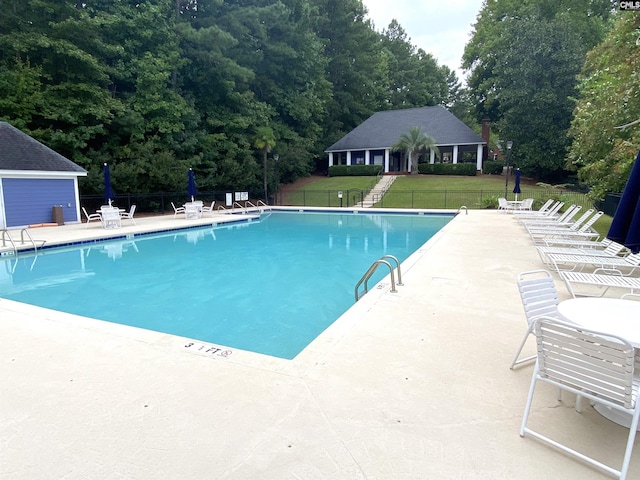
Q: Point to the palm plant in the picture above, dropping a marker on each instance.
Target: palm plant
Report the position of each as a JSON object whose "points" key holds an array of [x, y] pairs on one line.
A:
{"points": [[264, 140], [412, 144]]}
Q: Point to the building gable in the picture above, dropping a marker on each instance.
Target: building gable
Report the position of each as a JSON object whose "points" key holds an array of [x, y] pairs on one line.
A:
{"points": [[20, 152], [383, 129]]}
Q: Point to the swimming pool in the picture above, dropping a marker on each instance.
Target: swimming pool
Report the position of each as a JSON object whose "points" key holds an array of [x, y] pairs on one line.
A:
{"points": [[269, 286]]}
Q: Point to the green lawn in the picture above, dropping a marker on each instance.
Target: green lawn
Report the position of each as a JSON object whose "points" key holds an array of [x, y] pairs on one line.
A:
{"points": [[426, 191]]}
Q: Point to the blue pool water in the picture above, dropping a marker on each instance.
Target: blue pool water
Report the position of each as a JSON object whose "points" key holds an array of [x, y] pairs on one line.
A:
{"points": [[268, 286]]}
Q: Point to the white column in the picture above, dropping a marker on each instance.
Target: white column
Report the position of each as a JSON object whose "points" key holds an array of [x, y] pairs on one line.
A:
{"points": [[432, 156], [330, 159], [386, 160], [348, 157], [479, 158], [455, 154], [367, 157]]}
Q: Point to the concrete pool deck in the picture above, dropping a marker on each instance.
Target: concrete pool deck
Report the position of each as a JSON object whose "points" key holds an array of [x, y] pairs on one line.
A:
{"points": [[408, 385]]}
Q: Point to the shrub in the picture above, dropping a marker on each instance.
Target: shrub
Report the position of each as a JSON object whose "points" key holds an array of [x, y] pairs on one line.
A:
{"points": [[490, 202], [492, 168], [355, 170], [468, 169]]}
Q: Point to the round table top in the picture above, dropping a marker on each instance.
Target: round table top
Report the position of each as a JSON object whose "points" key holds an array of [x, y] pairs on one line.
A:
{"points": [[613, 316]]}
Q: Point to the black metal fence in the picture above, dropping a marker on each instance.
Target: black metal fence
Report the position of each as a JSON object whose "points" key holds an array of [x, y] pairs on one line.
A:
{"points": [[149, 202], [447, 199]]}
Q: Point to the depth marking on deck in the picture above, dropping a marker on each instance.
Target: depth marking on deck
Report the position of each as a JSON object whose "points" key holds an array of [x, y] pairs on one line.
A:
{"points": [[208, 350]]}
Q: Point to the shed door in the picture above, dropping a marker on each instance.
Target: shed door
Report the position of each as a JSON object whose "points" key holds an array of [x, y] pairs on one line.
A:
{"points": [[28, 201]]}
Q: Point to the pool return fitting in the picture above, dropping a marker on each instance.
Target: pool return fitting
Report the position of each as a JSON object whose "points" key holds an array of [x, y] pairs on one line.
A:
{"points": [[365, 278]]}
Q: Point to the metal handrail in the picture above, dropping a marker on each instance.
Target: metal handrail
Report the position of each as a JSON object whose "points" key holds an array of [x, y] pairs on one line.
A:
{"points": [[35, 247], [4, 244], [397, 262], [367, 275], [466, 210], [13, 244]]}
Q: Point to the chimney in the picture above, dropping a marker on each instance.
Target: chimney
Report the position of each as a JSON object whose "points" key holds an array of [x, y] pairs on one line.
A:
{"points": [[486, 129]]}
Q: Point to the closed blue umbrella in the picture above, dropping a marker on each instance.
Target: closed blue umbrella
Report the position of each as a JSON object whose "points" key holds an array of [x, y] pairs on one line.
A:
{"points": [[516, 188], [192, 191], [108, 192], [625, 227]]}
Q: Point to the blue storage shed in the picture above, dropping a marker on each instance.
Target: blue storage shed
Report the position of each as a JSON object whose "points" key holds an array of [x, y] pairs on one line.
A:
{"points": [[33, 180]]}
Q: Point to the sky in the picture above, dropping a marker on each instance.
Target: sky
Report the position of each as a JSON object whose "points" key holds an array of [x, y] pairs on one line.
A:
{"points": [[440, 27]]}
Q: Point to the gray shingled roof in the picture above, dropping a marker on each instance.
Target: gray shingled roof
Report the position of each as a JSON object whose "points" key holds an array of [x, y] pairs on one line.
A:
{"points": [[383, 129], [18, 151]]}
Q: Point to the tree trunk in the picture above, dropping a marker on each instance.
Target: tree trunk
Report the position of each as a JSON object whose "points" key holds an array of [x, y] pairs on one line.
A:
{"points": [[264, 162]]}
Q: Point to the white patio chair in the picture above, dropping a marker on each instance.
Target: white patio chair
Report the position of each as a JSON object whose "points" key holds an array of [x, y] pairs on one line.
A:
{"points": [[177, 210], [129, 215], [208, 209], [589, 364], [503, 205], [539, 298], [111, 218], [526, 205], [91, 217]]}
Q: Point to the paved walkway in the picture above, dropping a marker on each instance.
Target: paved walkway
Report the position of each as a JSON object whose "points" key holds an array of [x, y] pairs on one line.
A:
{"points": [[411, 385]]}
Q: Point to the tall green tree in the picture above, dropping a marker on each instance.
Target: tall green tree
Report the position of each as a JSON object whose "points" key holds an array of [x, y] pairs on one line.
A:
{"points": [[413, 143], [415, 79], [523, 60], [605, 128], [357, 66]]}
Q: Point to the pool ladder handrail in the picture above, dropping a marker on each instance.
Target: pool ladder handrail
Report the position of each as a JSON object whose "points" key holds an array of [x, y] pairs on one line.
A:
{"points": [[13, 244], [374, 266]]}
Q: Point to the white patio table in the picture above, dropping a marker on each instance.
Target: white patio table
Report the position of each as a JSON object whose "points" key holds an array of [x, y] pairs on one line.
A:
{"points": [[612, 316]]}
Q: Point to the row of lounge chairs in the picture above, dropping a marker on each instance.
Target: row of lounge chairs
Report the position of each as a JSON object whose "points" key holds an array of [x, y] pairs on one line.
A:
{"points": [[568, 245]]}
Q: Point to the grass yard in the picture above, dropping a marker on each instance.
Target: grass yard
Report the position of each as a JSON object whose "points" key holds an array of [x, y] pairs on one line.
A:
{"points": [[429, 191]]}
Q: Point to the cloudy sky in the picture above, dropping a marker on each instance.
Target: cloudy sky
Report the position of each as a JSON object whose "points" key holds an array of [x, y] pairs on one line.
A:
{"points": [[441, 28]]}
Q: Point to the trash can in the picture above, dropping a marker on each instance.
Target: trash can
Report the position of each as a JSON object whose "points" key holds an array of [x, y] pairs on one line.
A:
{"points": [[58, 216]]}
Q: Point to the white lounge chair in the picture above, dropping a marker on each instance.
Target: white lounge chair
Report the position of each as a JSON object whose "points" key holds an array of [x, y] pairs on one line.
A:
{"points": [[539, 298], [565, 218], [623, 265], [543, 209], [177, 210], [584, 232], [209, 209], [552, 212], [600, 280], [129, 215], [91, 217], [611, 249], [589, 364]]}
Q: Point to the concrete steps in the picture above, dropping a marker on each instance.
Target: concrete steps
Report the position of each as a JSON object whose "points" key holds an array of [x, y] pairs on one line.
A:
{"points": [[377, 192]]}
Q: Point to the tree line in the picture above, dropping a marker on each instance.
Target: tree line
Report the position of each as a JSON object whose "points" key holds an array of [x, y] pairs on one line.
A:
{"points": [[156, 87]]}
